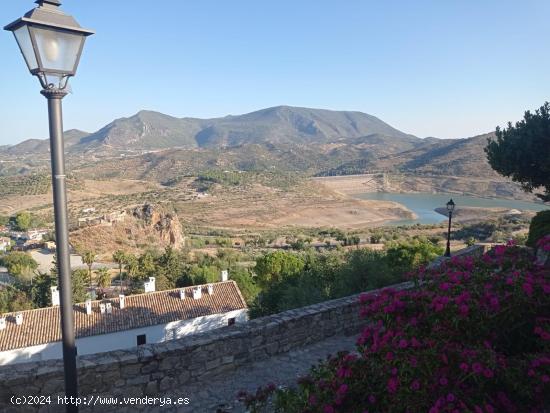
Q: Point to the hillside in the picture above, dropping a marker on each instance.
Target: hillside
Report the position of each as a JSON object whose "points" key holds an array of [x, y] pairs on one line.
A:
{"points": [[314, 142], [149, 130]]}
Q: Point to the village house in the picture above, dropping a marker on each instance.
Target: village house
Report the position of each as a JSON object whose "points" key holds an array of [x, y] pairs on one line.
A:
{"points": [[122, 322], [35, 234], [106, 219], [49, 245], [5, 244]]}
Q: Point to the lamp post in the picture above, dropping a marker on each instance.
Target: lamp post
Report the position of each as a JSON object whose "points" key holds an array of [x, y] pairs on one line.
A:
{"points": [[450, 209], [51, 43]]}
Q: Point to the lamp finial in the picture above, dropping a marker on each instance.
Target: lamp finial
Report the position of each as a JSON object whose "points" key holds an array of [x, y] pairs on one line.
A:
{"points": [[52, 2]]}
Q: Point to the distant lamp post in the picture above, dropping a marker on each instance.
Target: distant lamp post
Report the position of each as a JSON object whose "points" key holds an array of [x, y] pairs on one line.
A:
{"points": [[450, 209], [51, 43]]}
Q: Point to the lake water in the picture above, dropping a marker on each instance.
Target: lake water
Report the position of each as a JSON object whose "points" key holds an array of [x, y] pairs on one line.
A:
{"points": [[424, 204]]}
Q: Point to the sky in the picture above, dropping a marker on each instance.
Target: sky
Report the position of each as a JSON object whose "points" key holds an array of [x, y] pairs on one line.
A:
{"points": [[442, 68]]}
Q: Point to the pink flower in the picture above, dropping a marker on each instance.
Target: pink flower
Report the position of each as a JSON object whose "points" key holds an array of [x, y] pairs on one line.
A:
{"points": [[403, 343], [443, 381], [372, 399], [415, 385], [393, 384], [527, 288], [312, 400], [342, 390], [477, 368], [450, 397], [488, 373], [328, 409], [464, 367]]}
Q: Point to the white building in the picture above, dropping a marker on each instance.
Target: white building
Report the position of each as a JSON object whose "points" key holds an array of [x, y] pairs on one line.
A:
{"points": [[4, 244], [35, 234], [121, 323]]}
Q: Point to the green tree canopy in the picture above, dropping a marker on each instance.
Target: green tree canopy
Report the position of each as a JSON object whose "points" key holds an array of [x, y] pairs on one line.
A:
{"points": [[277, 265], [78, 281], [522, 151], [40, 290], [23, 220], [88, 258], [12, 299], [103, 277], [19, 263]]}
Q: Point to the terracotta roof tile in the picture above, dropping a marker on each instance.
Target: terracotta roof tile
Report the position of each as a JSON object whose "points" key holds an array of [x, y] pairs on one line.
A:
{"points": [[42, 325]]}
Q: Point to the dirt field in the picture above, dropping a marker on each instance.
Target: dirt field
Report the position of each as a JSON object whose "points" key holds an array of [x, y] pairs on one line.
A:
{"points": [[310, 205]]}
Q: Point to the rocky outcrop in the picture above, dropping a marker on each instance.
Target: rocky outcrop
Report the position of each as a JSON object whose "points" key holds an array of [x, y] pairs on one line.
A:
{"points": [[167, 225]]}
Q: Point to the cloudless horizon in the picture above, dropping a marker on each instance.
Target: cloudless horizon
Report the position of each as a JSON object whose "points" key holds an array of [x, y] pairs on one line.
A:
{"points": [[448, 69]]}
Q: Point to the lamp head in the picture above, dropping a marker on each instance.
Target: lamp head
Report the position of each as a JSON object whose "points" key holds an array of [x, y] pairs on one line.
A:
{"points": [[450, 206], [51, 42]]}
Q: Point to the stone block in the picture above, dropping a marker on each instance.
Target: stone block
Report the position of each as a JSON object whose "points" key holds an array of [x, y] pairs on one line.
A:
{"points": [[151, 389]]}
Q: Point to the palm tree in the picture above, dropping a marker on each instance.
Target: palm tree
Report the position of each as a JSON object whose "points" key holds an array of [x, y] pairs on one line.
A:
{"points": [[88, 258], [119, 257], [103, 279]]}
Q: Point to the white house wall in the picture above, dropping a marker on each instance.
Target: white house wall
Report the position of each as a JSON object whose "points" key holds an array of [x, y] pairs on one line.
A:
{"points": [[124, 339]]}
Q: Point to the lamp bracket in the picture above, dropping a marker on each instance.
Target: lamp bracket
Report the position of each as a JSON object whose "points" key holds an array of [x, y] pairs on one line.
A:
{"points": [[54, 93]]}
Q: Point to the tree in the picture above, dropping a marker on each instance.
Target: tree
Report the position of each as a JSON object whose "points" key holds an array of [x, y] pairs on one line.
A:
{"points": [[23, 221], [88, 258], [120, 258], [103, 277], [40, 290], [132, 265], [19, 264], [406, 255], [146, 264], [78, 281], [12, 299], [171, 264], [275, 266], [522, 151]]}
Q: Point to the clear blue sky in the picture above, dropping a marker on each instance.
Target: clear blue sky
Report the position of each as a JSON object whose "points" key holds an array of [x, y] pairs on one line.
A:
{"points": [[444, 68]]}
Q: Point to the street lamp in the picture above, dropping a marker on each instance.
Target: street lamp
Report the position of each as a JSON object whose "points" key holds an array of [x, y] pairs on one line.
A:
{"points": [[450, 209], [51, 43]]}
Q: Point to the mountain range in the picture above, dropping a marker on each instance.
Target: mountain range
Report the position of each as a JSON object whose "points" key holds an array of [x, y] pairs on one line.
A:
{"points": [[317, 141]]}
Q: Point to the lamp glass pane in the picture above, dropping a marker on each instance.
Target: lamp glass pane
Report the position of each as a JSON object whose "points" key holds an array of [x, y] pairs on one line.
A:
{"points": [[58, 49], [23, 38]]}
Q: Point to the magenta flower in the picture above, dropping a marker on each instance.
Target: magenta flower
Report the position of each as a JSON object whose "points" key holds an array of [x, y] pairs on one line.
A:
{"points": [[488, 373], [342, 390], [415, 385], [393, 384], [477, 368], [328, 409]]}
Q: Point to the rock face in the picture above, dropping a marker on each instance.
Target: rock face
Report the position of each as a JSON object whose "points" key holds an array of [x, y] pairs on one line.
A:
{"points": [[166, 224]]}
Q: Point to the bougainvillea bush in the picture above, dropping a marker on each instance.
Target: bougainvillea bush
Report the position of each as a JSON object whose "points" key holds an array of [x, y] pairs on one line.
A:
{"points": [[473, 336]]}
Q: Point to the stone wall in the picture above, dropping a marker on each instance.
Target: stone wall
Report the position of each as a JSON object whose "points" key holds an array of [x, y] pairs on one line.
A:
{"points": [[160, 368]]}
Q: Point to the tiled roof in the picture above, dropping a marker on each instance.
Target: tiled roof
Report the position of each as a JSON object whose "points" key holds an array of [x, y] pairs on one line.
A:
{"points": [[42, 325]]}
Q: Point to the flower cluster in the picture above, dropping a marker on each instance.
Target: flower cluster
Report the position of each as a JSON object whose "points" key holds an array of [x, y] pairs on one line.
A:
{"points": [[544, 243], [474, 336]]}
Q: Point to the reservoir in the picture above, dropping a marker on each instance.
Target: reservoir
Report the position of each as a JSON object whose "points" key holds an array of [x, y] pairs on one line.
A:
{"points": [[423, 204]]}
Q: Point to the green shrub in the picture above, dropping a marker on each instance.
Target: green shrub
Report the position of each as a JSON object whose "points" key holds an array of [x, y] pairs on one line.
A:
{"points": [[540, 226]]}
